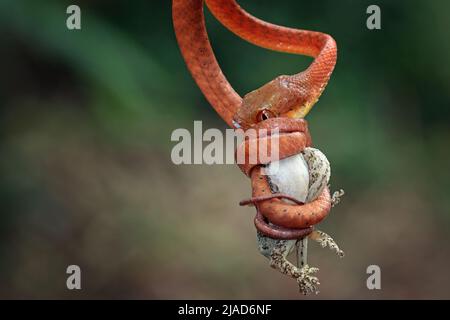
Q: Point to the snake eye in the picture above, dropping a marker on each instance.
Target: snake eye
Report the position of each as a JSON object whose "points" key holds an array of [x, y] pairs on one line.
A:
{"points": [[264, 114]]}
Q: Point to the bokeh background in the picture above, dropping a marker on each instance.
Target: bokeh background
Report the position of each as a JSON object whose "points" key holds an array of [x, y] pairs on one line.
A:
{"points": [[86, 176]]}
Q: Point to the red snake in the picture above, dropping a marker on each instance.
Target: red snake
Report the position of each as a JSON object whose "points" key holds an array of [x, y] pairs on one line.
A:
{"points": [[279, 104]]}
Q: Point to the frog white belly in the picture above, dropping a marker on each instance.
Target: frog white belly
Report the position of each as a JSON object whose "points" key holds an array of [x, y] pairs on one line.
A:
{"points": [[290, 176], [303, 176]]}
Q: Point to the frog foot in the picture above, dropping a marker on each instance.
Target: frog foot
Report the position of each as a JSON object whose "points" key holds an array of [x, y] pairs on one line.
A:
{"points": [[326, 241], [336, 197], [306, 280]]}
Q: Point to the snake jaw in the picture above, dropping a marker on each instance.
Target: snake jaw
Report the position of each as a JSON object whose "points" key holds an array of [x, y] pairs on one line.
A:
{"points": [[284, 96], [279, 96], [300, 112]]}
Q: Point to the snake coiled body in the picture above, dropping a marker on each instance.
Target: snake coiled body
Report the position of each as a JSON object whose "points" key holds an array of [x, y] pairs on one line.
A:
{"points": [[293, 220]]}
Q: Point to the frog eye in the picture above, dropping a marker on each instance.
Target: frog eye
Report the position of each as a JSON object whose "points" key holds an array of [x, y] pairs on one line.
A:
{"points": [[264, 114]]}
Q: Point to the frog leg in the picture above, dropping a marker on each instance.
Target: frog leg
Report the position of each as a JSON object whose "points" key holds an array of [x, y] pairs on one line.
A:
{"points": [[277, 252], [336, 197], [307, 282], [325, 240]]}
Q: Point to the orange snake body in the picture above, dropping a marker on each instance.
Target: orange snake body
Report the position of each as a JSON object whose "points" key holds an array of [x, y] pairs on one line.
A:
{"points": [[277, 104]]}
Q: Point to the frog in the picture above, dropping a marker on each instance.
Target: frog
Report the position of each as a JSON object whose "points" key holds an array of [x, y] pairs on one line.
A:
{"points": [[311, 171]]}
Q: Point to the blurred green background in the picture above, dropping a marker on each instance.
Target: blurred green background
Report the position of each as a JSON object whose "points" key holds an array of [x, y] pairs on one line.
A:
{"points": [[86, 176]]}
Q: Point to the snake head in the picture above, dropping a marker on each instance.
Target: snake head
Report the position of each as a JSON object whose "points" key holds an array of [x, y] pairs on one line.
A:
{"points": [[281, 97]]}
